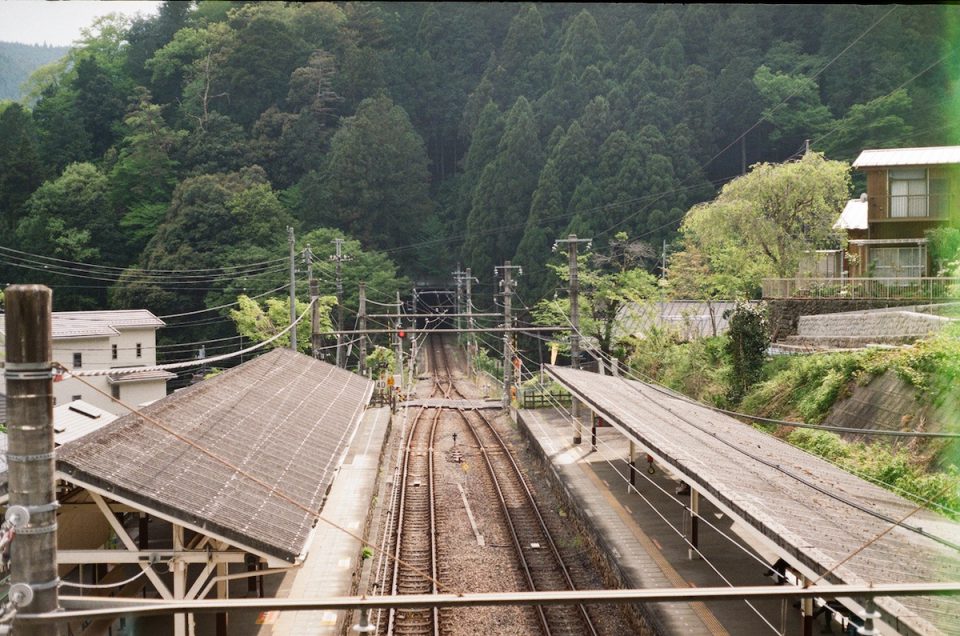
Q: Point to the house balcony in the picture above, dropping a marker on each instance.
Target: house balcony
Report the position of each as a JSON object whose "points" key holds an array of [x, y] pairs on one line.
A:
{"points": [[920, 289], [915, 207]]}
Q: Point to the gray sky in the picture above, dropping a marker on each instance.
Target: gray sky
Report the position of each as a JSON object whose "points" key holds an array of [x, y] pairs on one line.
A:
{"points": [[59, 23]]}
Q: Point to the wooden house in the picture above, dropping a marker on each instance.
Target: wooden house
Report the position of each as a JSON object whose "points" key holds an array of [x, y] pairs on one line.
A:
{"points": [[909, 191]]}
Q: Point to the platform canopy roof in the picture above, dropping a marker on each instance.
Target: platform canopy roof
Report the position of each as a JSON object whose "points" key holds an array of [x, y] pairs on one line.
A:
{"points": [[284, 419], [813, 512]]}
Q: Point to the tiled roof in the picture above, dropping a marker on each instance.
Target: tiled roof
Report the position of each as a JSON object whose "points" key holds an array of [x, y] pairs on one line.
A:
{"points": [[283, 417], [937, 155]]}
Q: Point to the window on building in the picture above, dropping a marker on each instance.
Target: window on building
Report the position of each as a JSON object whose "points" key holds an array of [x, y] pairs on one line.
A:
{"points": [[113, 351], [898, 262], [77, 360], [115, 391], [139, 350], [908, 193]]}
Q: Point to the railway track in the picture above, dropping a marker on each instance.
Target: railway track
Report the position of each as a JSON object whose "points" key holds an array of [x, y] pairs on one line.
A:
{"points": [[414, 514], [415, 543]]}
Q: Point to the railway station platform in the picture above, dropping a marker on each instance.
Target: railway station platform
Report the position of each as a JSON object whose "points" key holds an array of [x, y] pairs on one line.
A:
{"points": [[332, 562], [640, 544]]}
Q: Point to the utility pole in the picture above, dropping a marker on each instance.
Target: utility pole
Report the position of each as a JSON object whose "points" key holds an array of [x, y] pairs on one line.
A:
{"points": [[572, 242], [30, 453], [363, 327], [663, 262], [458, 276], [507, 283], [314, 309], [471, 339], [399, 342], [339, 258], [293, 290]]}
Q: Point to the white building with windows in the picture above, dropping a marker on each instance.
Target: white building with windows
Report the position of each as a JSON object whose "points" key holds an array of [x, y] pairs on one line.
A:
{"points": [[107, 340]]}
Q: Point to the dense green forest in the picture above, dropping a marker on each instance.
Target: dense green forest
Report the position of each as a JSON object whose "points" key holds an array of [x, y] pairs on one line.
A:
{"points": [[18, 61], [171, 153]]}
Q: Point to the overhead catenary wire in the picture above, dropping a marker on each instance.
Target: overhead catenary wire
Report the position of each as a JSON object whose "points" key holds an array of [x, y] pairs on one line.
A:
{"points": [[224, 268]]}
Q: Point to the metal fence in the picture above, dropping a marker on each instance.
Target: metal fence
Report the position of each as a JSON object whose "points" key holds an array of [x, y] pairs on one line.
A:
{"points": [[538, 398], [866, 288]]}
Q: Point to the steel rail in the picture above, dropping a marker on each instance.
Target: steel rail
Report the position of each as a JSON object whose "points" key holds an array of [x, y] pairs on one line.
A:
{"points": [[532, 505], [392, 620]]}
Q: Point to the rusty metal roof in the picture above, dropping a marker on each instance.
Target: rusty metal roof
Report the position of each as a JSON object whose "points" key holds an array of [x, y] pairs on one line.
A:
{"points": [[788, 495], [284, 418], [891, 157]]}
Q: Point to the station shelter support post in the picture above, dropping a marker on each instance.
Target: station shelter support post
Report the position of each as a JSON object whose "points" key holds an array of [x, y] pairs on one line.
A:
{"points": [[694, 529]]}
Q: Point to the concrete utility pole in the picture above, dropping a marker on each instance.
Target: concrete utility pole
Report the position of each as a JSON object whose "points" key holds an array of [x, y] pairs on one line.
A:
{"points": [[471, 339], [339, 258], [293, 290], [363, 327], [30, 453], [508, 284], [458, 276], [399, 342], [314, 309], [572, 242]]}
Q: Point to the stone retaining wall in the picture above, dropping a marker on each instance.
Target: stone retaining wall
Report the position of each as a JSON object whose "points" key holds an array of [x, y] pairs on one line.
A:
{"points": [[877, 325], [784, 314]]}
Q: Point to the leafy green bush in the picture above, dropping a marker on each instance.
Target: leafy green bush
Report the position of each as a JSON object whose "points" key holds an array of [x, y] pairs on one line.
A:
{"points": [[749, 339]]}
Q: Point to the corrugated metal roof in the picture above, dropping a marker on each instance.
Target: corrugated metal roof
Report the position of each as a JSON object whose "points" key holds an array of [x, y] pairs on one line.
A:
{"points": [[690, 319], [853, 217], [142, 376], [3, 408], [283, 417], [93, 324], [74, 420], [932, 156], [785, 494], [74, 328], [116, 318]]}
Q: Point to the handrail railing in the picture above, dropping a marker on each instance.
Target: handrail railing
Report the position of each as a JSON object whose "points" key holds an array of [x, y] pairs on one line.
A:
{"points": [[925, 288]]}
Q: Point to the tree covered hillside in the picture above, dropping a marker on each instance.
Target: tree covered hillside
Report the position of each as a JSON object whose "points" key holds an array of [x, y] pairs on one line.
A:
{"points": [[432, 133], [19, 61]]}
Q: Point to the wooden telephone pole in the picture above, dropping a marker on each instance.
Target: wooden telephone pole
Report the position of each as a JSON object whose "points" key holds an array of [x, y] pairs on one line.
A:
{"points": [[30, 454]]}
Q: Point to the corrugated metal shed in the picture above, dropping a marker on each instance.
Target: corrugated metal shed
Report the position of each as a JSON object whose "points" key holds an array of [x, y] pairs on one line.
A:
{"points": [[853, 217], [284, 418], [891, 157], [800, 502]]}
